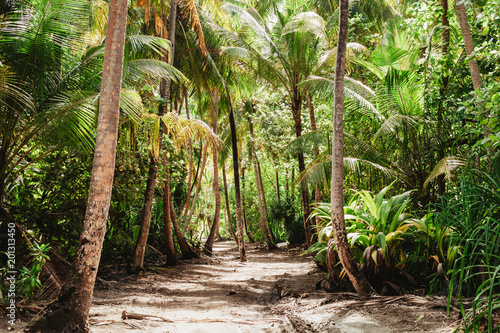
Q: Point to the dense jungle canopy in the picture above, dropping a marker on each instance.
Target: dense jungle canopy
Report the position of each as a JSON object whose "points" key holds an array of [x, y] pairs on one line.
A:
{"points": [[140, 133]]}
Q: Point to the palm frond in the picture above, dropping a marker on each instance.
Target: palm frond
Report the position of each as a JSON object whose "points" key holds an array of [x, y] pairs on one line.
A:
{"points": [[306, 22], [154, 69], [324, 88], [444, 166], [393, 123]]}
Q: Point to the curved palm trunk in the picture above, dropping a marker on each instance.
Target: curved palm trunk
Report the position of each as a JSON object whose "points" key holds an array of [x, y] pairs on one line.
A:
{"points": [[209, 243], [187, 251], [142, 238], [239, 221], [340, 235], [198, 186], [70, 312], [228, 210]]}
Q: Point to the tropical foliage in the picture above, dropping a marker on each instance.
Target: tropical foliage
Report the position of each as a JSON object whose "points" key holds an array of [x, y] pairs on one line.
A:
{"points": [[250, 84]]}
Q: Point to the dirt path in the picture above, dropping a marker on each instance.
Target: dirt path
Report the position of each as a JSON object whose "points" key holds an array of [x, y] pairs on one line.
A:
{"points": [[272, 292]]}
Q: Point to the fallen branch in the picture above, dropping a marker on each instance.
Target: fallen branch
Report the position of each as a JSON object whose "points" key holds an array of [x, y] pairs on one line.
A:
{"points": [[140, 316]]}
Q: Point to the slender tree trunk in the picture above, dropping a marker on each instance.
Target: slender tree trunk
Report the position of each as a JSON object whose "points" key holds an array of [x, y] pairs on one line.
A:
{"points": [[469, 44], [234, 143], [198, 185], [138, 260], [167, 220], [228, 209], [317, 190], [243, 206], [286, 185], [142, 239], [187, 251], [71, 311], [277, 186], [444, 81], [306, 201], [185, 208], [165, 93], [271, 235], [262, 210], [340, 235], [215, 224]]}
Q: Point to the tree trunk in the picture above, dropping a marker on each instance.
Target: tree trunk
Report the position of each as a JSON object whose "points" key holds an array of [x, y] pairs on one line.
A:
{"points": [[185, 208], [138, 260], [271, 235], [340, 235], [317, 190], [209, 243], [306, 201], [243, 207], [277, 186], [234, 143], [187, 251], [70, 312], [444, 81], [198, 186], [228, 210], [142, 238], [469, 44], [262, 210], [167, 220]]}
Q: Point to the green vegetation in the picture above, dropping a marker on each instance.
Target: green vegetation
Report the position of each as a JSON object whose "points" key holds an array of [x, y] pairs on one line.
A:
{"points": [[421, 144]]}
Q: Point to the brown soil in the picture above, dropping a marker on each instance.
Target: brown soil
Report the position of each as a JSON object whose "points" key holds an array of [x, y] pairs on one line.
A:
{"points": [[271, 292]]}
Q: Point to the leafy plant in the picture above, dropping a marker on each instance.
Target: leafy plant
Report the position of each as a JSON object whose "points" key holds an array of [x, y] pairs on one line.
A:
{"points": [[376, 229], [29, 279]]}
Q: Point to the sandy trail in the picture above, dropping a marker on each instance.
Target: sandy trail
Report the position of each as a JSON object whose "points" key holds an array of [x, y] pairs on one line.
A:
{"points": [[271, 292]]}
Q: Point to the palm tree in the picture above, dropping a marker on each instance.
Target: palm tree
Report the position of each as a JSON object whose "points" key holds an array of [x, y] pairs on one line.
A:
{"points": [[340, 241], [289, 55], [71, 311]]}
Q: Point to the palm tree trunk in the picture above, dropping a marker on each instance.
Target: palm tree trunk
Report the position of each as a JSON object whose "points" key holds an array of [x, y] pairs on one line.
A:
{"points": [[243, 206], [306, 201], [317, 191], [340, 235], [71, 311], [138, 260], [187, 251], [190, 170], [228, 210], [209, 243], [444, 81], [469, 44], [234, 143], [142, 238], [167, 220], [271, 235], [198, 186], [277, 186], [262, 210]]}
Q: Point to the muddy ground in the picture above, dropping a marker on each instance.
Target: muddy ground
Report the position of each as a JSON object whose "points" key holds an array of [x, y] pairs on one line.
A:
{"points": [[271, 292]]}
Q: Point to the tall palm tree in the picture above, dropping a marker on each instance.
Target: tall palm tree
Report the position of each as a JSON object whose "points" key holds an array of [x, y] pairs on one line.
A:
{"points": [[71, 311], [340, 241], [288, 56]]}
